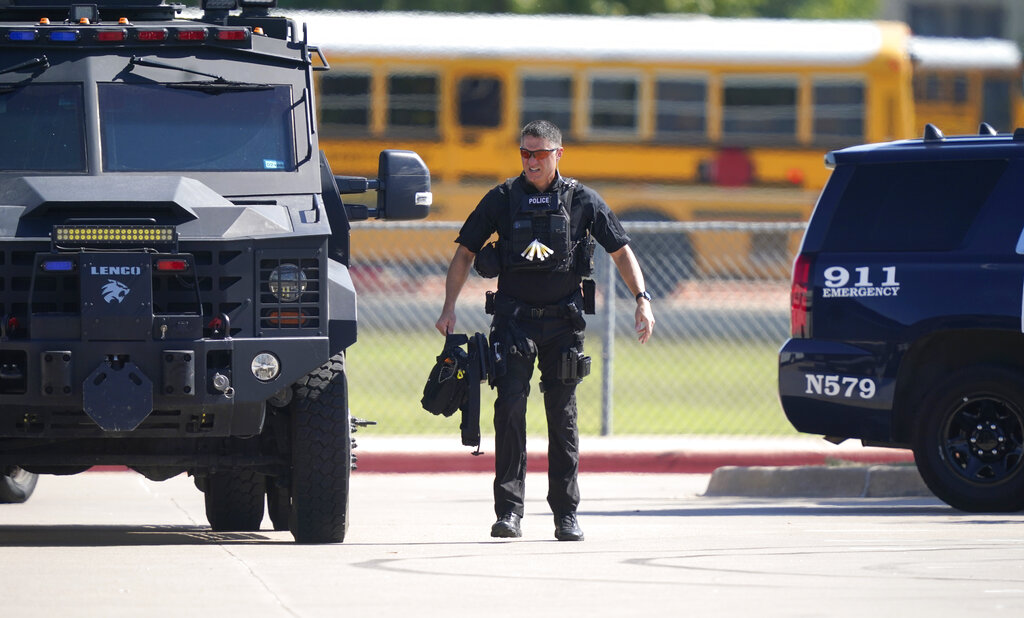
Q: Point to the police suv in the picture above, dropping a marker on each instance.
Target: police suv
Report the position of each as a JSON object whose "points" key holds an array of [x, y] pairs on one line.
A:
{"points": [[174, 250], [907, 314]]}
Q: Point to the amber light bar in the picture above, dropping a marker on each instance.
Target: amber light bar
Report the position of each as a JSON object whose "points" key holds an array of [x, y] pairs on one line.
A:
{"points": [[114, 235]]}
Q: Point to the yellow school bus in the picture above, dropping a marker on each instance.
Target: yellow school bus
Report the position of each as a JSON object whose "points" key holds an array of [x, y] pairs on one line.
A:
{"points": [[670, 118]]}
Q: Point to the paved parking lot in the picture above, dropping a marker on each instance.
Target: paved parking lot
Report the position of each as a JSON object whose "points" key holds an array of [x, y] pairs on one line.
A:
{"points": [[114, 544]]}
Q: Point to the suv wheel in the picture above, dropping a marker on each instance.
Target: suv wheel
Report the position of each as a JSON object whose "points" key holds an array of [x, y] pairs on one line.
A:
{"points": [[969, 440], [321, 445], [17, 485], [234, 500]]}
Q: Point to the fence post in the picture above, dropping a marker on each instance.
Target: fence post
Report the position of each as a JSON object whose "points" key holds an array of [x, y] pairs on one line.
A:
{"points": [[608, 349]]}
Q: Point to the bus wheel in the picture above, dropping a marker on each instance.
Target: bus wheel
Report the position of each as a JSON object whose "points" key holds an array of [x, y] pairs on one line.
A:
{"points": [[17, 485], [321, 453], [234, 500], [969, 440]]}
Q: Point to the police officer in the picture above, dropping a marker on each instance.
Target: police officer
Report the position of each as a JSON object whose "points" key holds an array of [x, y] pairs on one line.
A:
{"points": [[546, 226]]}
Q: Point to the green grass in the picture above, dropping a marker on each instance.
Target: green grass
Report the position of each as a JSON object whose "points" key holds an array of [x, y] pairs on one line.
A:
{"points": [[661, 388]]}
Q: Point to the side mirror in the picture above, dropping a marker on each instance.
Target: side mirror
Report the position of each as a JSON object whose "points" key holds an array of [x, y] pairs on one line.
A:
{"points": [[403, 193]]}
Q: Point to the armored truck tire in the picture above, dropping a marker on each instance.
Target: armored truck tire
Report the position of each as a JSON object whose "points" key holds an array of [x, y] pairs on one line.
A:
{"points": [[969, 439], [279, 504], [234, 500], [17, 485], [321, 455]]}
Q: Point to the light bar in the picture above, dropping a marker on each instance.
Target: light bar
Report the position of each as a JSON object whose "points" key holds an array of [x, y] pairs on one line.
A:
{"points": [[22, 35], [128, 235]]}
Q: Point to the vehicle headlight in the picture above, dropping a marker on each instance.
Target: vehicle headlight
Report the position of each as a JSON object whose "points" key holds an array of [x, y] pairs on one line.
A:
{"points": [[287, 282], [265, 366]]}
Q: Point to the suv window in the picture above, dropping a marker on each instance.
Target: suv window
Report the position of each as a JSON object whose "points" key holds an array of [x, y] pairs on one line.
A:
{"points": [[920, 206], [154, 128], [43, 127]]}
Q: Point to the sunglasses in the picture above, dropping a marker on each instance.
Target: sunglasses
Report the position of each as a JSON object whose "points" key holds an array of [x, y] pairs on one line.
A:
{"points": [[539, 154]]}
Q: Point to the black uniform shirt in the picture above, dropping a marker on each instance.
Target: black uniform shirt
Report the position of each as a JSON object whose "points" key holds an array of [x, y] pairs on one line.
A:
{"points": [[588, 209]]}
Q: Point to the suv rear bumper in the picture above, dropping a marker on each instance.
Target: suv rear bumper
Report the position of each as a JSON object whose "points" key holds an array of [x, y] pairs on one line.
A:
{"points": [[834, 389]]}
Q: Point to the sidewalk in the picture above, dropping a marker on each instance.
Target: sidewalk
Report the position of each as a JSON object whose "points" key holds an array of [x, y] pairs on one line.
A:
{"points": [[675, 454]]}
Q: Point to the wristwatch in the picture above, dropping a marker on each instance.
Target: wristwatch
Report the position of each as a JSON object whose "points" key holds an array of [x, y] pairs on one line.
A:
{"points": [[645, 295]]}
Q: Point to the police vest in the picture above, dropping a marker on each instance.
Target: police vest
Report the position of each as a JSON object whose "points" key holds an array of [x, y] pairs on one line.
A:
{"points": [[540, 235]]}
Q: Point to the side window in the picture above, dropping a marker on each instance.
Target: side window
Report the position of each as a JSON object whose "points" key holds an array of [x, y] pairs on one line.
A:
{"points": [[893, 207], [759, 110], [838, 111], [345, 103], [413, 101], [614, 105], [547, 97], [479, 101], [680, 109]]}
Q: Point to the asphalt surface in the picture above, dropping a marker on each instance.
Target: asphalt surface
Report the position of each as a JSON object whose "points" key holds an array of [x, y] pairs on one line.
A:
{"points": [[114, 544]]}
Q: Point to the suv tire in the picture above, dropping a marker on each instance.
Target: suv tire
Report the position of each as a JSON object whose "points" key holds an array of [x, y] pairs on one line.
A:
{"points": [[234, 500], [321, 446], [969, 439]]}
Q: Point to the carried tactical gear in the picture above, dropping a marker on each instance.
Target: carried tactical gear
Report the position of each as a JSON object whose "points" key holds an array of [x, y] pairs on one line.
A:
{"points": [[446, 388], [454, 383]]}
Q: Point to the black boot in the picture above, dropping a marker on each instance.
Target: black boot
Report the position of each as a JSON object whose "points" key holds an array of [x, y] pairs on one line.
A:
{"points": [[507, 526], [567, 528]]}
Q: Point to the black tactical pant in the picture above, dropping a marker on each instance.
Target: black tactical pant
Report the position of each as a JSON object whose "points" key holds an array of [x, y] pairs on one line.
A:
{"points": [[552, 336]]}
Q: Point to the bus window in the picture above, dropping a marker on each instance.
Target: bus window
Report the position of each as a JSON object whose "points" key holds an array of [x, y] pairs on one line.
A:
{"points": [[479, 102], [680, 108], [614, 103], [960, 88], [345, 103], [995, 104], [547, 98], [838, 111], [413, 102], [759, 110]]}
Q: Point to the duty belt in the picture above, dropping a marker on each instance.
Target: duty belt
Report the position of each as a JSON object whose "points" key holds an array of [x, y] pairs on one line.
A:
{"points": [[504, 305]]}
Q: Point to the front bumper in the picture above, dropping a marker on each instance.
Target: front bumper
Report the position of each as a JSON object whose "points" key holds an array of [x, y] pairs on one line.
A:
{"points": [[84, 389]]}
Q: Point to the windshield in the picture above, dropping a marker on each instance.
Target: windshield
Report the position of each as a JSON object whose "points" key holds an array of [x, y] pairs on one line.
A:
{"points": [[42, 127], [160, 129]]}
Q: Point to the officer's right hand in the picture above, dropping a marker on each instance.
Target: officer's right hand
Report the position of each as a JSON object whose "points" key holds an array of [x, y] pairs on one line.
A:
{"points": [[446, 323]]}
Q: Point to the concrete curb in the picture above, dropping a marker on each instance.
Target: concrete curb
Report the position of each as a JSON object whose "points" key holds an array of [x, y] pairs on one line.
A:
{"points": [[878, 481]]}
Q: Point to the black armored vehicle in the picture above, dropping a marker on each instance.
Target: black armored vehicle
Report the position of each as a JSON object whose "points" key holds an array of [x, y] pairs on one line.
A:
{"points": [[907, 313], [174, 250]]}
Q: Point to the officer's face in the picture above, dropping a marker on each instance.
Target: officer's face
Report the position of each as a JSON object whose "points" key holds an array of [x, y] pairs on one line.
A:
{"points": [[540, 172]]}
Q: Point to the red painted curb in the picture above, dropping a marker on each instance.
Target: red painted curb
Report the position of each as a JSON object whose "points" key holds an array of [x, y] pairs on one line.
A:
{"points": [[640, 463], [644, 463]]}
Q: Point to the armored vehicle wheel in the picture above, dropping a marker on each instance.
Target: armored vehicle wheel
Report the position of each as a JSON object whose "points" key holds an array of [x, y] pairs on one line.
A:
{"points": [[321, 445], [279, 505], [969, 440], [17, 485], [234, 500]]}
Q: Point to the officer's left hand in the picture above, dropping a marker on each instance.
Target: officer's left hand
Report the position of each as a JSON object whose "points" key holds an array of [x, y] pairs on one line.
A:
{"points": [[644, 320]]}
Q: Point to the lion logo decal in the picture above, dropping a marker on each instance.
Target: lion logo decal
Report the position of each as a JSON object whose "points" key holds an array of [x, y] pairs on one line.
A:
{"points": [[114, 290]]}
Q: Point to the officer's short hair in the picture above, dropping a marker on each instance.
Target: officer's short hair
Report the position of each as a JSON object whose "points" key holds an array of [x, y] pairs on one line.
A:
{"points": [[543, 129]]}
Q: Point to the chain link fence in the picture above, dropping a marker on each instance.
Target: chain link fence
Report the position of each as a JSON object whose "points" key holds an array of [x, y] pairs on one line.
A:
{"points": [[721, 304]]}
